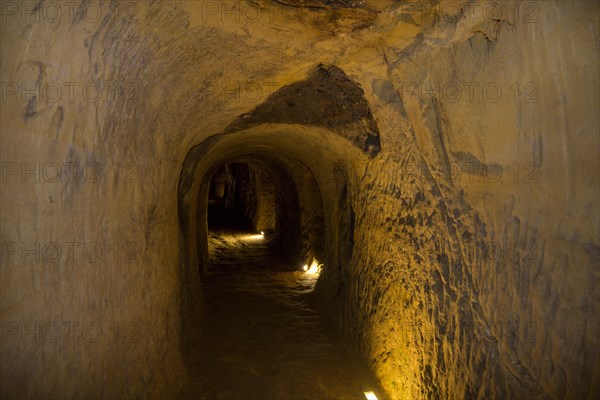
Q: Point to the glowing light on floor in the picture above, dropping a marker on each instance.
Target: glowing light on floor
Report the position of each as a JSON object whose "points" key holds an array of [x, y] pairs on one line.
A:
{"points": [[370, 396], [257, 236], [262, 233], [314, 269]]}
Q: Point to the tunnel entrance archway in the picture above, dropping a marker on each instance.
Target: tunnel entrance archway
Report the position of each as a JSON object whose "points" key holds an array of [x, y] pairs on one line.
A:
{"points": [[258, 196], [319, 162], [313, 173]]}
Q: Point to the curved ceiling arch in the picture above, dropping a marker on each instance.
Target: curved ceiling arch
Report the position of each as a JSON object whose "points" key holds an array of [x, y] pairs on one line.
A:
{"points": [[313, 146]]}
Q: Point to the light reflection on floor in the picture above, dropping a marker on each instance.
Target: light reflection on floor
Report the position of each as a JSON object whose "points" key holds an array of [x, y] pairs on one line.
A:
{"points": [[259, 337]]}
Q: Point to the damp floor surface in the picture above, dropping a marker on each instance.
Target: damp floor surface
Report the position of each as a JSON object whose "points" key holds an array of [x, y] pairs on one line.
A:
{"points": [[259, 338]]}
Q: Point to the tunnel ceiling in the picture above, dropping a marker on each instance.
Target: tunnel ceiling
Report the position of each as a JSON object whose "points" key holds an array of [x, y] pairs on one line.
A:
{"points": [[329, 99], [322, 3], [476, 221], [310, 144]]}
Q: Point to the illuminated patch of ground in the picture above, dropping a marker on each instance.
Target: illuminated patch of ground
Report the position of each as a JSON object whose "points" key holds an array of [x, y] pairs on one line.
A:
{"points": [[260, 338]]}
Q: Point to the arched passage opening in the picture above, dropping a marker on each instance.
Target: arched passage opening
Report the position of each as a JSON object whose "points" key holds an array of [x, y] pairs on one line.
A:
{"points": [[321, 167], [311, 174], [474, 257], [253, 195]]}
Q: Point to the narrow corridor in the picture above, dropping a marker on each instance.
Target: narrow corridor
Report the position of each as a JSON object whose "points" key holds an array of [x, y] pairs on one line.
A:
{"points": [[260, 338], [440, 158]]}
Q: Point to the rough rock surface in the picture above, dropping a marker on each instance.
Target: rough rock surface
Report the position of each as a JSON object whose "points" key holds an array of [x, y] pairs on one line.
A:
{"points": [[461, 258], [327, 99], [261, 338]]}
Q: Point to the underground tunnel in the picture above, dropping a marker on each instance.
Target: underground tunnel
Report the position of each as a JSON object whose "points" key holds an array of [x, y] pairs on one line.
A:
{"points": [[299, 199]]}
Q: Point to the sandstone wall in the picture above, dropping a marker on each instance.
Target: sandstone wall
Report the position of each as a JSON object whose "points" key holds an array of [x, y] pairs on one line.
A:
{"points": [[454, 281], [263, 209]]}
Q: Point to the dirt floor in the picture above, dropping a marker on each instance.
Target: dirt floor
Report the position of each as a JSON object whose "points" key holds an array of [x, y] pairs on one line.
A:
{"points": [[259, 338]]}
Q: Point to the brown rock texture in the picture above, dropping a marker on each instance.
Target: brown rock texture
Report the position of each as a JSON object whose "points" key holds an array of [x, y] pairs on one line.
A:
{"points": [[440, 159]]}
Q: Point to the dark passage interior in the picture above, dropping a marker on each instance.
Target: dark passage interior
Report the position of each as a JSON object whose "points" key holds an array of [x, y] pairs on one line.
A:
{"points": [[262, 337], [300, 199], [232, 200]]}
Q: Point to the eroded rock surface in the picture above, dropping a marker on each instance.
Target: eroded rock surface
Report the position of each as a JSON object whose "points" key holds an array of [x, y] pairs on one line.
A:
{"points": [[440, 159], [327, 99]]}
